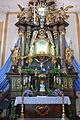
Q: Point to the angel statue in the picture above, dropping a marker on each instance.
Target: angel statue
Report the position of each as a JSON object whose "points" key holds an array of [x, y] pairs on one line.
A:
{"points": [[62, 12], [25, 12], [22, 11]]}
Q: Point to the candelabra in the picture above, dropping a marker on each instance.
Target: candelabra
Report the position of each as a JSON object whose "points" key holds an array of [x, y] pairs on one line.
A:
{"points": [[22, 108], [63, 109]]}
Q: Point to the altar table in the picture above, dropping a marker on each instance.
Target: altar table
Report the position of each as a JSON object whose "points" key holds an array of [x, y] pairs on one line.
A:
{"points": [[42, 100], [32, 104]]}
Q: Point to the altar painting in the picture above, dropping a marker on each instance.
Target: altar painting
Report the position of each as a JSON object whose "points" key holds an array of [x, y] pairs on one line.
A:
{"points": [[42, 47]]}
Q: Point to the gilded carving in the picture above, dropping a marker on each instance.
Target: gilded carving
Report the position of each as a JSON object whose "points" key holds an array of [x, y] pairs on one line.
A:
{"points": [[14, 55], [69, 55], [42, 110], [28, 59], [18, 84], [65, 82], [54, 60], [13, 84], [62, 12], [70, 82]]}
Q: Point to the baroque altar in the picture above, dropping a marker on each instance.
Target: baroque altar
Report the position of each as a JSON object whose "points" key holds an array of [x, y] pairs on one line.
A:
{"points": [[41, 61]]}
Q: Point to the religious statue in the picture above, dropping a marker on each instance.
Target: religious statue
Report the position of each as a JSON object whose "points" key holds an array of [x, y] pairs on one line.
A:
{"points": [[26, 12], [62, 12], [42, 86], [54, 60], [41, 65], [14, 55], [69, 55], [22, 11], [48, 18], [35, 71], [28, 59]]}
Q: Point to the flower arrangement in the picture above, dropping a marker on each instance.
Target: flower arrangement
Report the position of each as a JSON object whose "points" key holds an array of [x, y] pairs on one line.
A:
{"points": [[55, 71], [29, 71], [57, 92], [28, 92]]}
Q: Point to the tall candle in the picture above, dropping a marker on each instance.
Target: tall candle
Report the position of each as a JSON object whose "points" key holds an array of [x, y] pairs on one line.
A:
{"points": [[59, 81], [54, 78]]}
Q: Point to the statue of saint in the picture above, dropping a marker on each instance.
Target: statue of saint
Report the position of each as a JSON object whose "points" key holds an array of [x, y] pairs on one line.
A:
{"points": [[42, 87], [14, 55]]}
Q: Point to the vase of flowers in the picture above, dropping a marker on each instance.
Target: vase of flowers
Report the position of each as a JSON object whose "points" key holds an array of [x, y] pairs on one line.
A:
{"points": [[28, 92], [57, 92]]}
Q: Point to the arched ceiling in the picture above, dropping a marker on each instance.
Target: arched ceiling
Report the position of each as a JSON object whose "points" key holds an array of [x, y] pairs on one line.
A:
{"points": [[11, 5]]}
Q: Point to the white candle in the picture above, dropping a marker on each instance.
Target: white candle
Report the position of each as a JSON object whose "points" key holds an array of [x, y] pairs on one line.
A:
{"points": [[54, 78], [29, 78], [59, 81], [62, 86], [26, 80]]}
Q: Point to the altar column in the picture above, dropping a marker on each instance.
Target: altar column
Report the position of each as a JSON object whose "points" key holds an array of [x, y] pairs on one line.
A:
{"points": [[20, 48], [27, 39], [62, 31], [56, 38]]}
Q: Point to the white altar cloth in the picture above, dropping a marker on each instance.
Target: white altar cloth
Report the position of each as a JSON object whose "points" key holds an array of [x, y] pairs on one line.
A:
{"points": [[42, 100]]}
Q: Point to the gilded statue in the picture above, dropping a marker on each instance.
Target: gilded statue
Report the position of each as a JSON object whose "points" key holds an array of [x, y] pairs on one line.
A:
{"points": [[62, 12], [69, 55], [21, 11], [48, 18], [14, 55], [54, 60], [28, 59], [26, 12]]}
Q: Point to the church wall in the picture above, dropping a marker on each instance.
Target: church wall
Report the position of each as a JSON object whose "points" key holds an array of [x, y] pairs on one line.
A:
{"points": [[2, 41], [72, 35], [79, 19], [12, 35]]}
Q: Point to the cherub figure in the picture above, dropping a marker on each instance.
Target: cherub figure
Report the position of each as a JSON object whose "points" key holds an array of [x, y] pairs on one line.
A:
{"points": [[22, 11], [62, 12], [25, 12]]}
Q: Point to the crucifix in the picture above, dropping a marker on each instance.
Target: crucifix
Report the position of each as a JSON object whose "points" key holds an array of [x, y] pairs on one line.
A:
{"points": [[41, 65]]}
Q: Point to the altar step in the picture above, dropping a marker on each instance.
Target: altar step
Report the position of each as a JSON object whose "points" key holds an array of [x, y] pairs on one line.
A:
{"points": [[41, 119]]}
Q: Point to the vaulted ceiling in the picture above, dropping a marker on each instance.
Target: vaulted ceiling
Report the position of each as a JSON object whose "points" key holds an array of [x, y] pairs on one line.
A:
{"points": [[11, 5]]}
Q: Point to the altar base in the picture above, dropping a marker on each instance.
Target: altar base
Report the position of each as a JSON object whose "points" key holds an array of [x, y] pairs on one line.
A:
{"points": [[40, 119]]}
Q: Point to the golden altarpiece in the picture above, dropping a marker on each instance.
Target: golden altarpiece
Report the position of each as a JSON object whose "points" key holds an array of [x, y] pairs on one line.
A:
{"points": [[41, 60]]}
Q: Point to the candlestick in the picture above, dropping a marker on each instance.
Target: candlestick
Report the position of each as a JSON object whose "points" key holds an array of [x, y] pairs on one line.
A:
{"points": [[63, 109], [22, 108]]}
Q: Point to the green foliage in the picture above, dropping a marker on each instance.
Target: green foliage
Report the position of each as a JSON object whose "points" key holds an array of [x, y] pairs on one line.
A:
{"points": [[13, 114], [50, 92], [29, 71], [54, 71], [68, 111]]}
